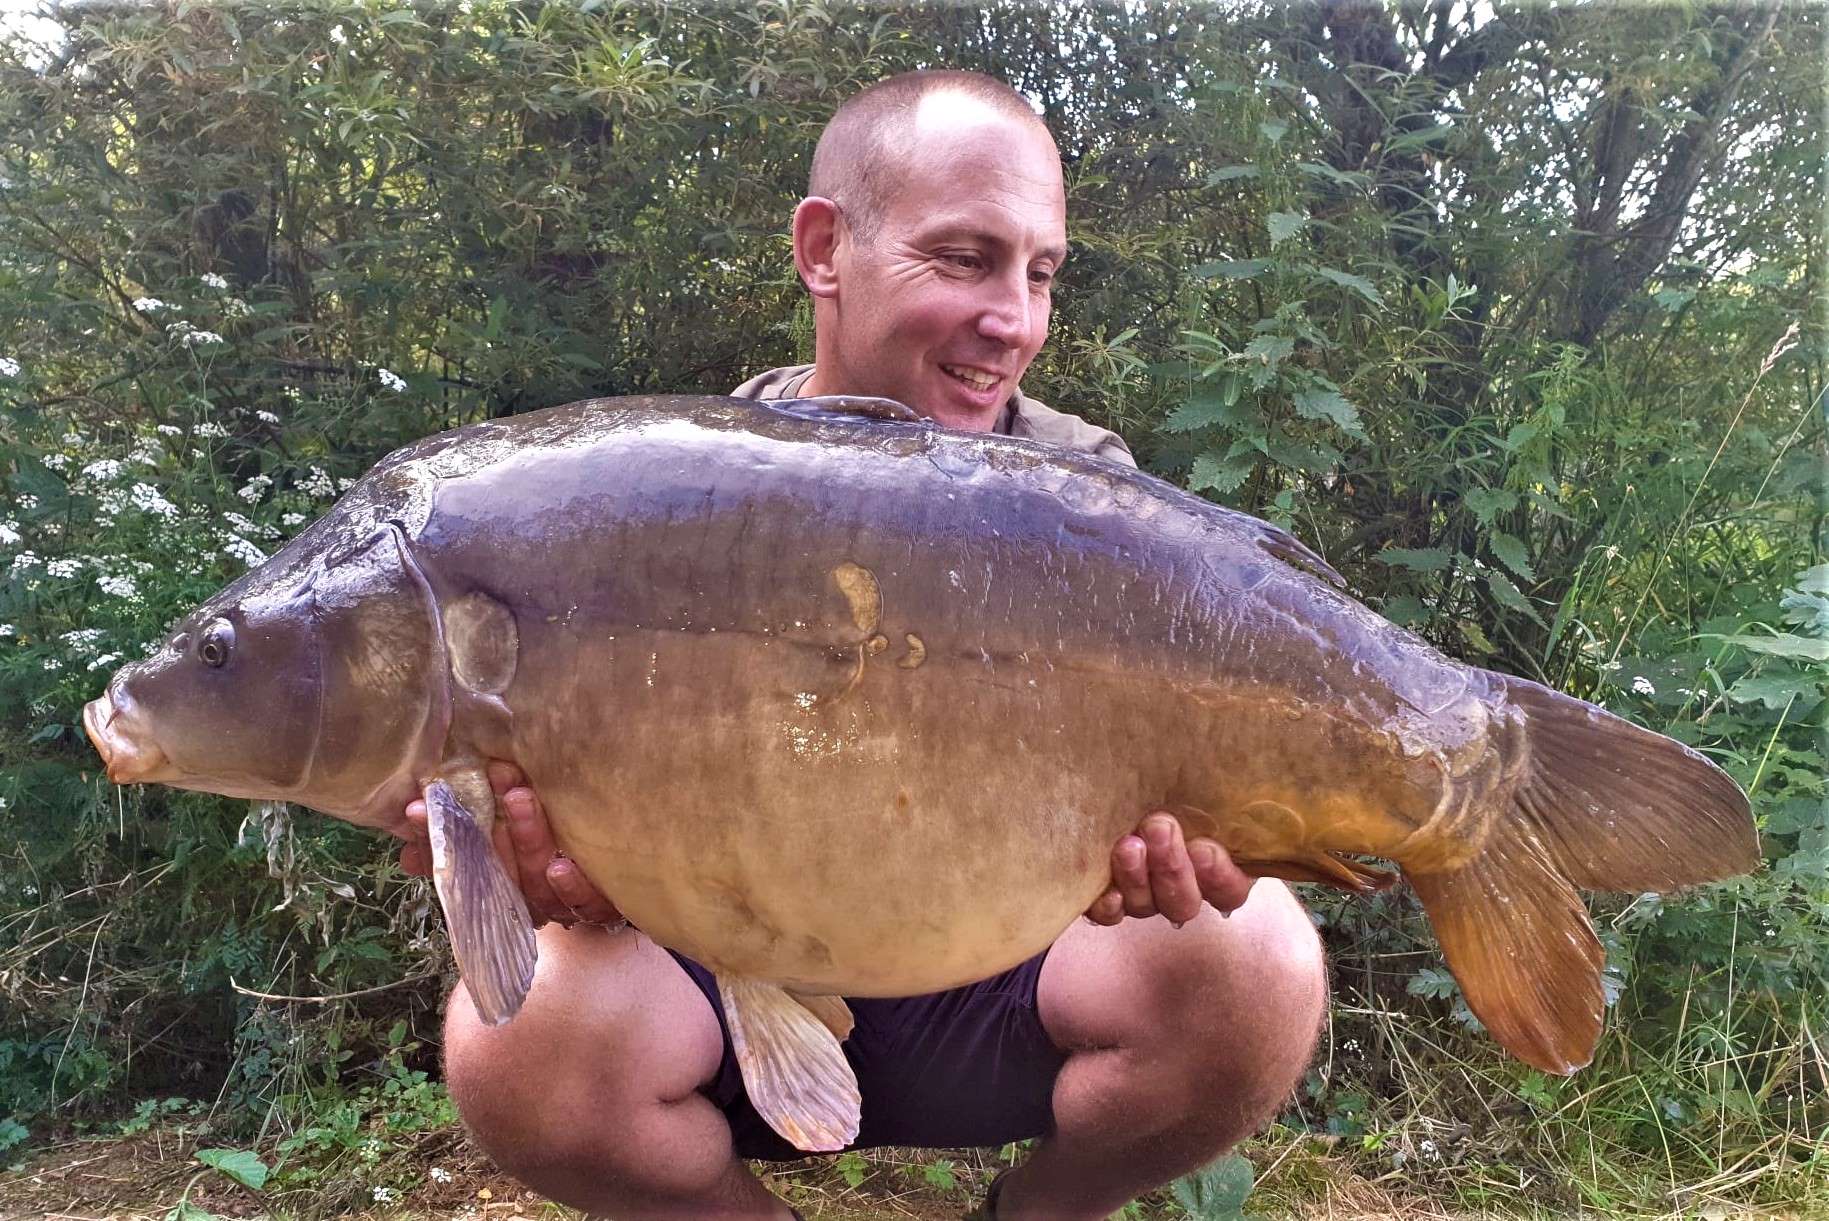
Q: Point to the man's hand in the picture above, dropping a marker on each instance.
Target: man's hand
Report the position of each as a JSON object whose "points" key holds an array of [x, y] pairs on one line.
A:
{"points": [[555, 888], [1155, 872]]}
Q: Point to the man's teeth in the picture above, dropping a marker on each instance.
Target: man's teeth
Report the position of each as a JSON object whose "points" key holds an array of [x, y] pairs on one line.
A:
{"points": [[982, 381]]}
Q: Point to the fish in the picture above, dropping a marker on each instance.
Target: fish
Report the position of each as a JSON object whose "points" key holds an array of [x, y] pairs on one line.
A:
{"points": [[840, 702]]}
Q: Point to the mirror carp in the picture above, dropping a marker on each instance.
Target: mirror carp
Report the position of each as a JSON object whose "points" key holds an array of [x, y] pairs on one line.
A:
{"points": [[840, 702]]}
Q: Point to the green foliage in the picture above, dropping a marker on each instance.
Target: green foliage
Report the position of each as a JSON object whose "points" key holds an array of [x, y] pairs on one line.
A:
{"points": [[1406, 307], [1217, 1191]]}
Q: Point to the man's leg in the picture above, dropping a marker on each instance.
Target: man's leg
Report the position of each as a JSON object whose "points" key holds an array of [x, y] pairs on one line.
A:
{"points": [[590, 1094], [1181, 1043]]}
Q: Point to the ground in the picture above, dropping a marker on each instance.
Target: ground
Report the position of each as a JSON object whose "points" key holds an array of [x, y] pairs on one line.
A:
{"points": [[146, 1175]]}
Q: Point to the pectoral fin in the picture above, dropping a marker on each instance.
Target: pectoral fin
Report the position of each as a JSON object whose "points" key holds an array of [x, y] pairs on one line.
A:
{"points": [[491, 932], [797, 1076]]}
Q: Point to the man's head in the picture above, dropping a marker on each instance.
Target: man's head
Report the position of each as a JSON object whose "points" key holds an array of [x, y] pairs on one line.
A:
{"points": [[935, 222]]}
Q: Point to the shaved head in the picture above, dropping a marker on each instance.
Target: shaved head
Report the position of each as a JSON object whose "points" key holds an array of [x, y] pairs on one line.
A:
{"points": [[863, 154]]}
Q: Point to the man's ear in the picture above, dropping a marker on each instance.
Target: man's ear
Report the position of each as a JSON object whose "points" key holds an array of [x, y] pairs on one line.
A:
{"points": [[818, 230]]}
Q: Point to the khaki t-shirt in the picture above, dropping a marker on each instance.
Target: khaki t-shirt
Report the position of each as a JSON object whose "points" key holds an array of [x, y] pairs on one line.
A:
{"points": [[1022, 416]]}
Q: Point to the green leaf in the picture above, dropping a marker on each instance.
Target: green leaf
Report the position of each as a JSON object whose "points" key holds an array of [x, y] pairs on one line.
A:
{"points": [[1285, 225], [239, 1164], [1779, 644], [1434, 983], [1219, 476], [1813, 580], [1227, 173], [1425, 559], [1420, 137], [1778, 691], [1218, 1190], [1485, 502], [1271, 350], [852, 1168], [1507, 595], [1346, 178], [1346, 279], [1274, 130], [1512, 553], [940, 1174], [1327, 403], [12, 1132], [1233, 269], [1211, 403]]}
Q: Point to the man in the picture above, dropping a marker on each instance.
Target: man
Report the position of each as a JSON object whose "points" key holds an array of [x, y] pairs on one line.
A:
{"points": [[1140, 1045]]}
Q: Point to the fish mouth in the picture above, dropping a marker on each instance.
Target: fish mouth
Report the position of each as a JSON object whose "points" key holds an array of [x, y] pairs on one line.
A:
{"points": [[130, 758]]}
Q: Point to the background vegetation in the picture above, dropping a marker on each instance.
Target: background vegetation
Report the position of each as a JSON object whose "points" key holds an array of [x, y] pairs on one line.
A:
{"points": [[1508, 310]]}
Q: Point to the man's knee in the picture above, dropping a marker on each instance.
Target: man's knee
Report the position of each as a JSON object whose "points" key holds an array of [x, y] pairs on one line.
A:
{"points": [[584, 1087]]}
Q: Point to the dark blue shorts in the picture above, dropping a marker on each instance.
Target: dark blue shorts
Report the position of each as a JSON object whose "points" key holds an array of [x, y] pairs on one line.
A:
{"points": [[969, 1066]]}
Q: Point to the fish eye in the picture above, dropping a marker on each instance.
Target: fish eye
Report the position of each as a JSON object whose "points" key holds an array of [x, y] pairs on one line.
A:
{"points": [[217, 641]]}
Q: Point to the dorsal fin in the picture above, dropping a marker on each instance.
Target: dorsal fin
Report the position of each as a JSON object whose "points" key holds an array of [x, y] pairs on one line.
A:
{"points": [[824, 406]]}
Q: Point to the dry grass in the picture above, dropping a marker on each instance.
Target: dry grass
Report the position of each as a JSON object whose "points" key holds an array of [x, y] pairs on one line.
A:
{"points": [[140, 1178]]}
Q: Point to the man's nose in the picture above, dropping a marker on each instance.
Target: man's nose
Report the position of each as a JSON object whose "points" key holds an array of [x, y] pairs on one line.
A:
{"points": [[1013, 313]]}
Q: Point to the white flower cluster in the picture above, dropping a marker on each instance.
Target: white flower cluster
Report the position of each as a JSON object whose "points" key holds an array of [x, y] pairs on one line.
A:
{"points": [[247, 527], [241, 549], [8, 367], [147, 305], [235, 307], [147, 451], [104, 661], [193, 339], [292, 519], [25, 561], [9, 533], [27, 501], [317, 484], [293, 393], [103, 470], [119, 586], [7, 631], [209, 428], [57, 462], [383, 1195], [1642, 686], [146, 499], [266, 417], [390, 380], [169, 430], [64, 568], [83, 639], [255, 488], [212, 280]]}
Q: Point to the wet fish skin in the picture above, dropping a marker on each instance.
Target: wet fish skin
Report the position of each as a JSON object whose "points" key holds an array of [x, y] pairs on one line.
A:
{"points": [[858, 706]]}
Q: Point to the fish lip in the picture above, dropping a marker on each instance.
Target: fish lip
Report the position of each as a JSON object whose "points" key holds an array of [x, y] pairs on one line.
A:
{"points": [[127, 761]]}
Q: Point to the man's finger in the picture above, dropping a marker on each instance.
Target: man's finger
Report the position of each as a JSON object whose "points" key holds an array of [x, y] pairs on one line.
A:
{"points": [[1130, 874], [576, 892], [504, 775], [416, 858], [1107, 909], [1172, 884], [416, 852], [1222, 883], [531, 844]]}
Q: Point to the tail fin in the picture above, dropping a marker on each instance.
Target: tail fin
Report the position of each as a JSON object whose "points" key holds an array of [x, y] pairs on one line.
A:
{"points": [[1604, 804], [1619, 807]]}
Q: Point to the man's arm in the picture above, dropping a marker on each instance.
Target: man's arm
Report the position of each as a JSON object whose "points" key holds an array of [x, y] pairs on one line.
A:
{"points": [[1153, 872]]}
